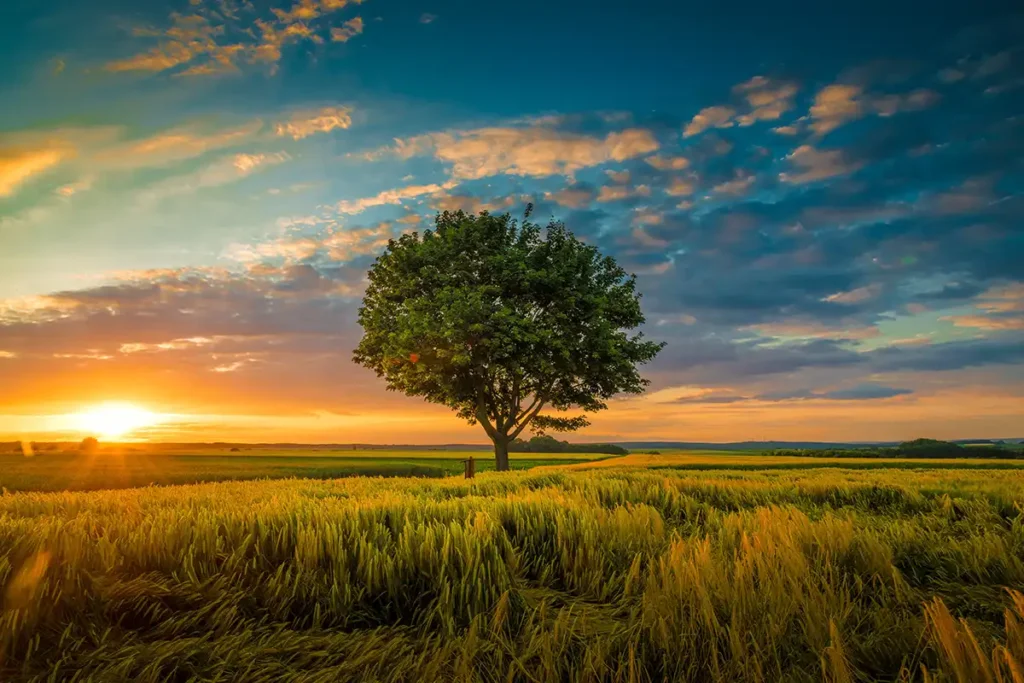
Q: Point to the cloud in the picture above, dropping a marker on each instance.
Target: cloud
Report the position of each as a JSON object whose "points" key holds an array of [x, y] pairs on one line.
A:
{"points": [[757, 99], [536, 151], [977, 69], [18, 166], [1001, 308], [841, 103], [174, 145], [189, 37], [835, 105], [768, 100], [680, 187], [736, 187], [215, 41], [471, 204], [818, 164], [575, 197], [815, 330], [709, 117], [666, 163], [349, 30], [916, 100], [92, 152], [986, 322], [614, 193], [428, 18], [395, 196], [854, 296], [969, 197], [860, 392], [956, 355], [221, 172], [324, 120]]}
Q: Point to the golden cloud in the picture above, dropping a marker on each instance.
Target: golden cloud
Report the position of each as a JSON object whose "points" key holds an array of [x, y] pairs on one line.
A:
{"points": [[304, 124], [395, 196], [198, 40], [709, 117], [18, 166]]}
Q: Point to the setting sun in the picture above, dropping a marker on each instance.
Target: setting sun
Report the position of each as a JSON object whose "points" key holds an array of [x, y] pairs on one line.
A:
{"points": [[112, 420]]}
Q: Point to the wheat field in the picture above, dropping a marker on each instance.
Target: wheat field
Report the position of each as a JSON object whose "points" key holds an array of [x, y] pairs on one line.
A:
{"points": [[614, 574]]}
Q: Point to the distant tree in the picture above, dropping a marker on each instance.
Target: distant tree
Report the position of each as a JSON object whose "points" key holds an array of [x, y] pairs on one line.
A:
{"points": [[89, 445], [499, 321], [543, 443]]}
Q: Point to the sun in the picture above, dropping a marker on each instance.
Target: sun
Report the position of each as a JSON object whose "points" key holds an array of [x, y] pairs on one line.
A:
{"points": [[113, 420]]}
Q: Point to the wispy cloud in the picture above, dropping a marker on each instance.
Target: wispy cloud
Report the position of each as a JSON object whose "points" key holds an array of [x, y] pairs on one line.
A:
{"points": [[347, 31], [306, 123], [710, 117], [211, 41], [536, 150], [18, 166], [395, 196], [818, 164]]}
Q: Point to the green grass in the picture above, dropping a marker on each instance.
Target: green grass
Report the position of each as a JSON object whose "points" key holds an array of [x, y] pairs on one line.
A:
{"points": [[604, 575], [117, 470]]}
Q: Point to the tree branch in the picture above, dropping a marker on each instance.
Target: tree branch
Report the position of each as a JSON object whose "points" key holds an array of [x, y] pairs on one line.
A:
{"points": [[528, 419], [481, 416]]}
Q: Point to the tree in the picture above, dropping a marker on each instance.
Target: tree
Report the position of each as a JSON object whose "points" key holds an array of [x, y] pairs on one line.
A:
{"points": [[500, 321], [89, 445]]}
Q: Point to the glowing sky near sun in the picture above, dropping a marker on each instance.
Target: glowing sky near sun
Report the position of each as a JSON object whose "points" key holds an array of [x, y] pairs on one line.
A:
{"points": [[822, 204]]}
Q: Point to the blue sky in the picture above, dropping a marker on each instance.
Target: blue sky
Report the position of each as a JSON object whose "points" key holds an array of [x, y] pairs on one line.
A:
{"points": [[822, 203]]}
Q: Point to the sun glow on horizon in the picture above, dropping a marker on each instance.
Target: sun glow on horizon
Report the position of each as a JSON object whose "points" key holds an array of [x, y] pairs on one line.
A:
{"points": [[114, 420]]}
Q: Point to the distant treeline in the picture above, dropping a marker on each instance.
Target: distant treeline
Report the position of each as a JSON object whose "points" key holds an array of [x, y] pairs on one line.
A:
{"points": [[918, 448], [548, 444]]}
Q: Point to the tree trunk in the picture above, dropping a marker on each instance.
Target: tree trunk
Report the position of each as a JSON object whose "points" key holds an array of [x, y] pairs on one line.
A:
{"points": [[501, 454]]}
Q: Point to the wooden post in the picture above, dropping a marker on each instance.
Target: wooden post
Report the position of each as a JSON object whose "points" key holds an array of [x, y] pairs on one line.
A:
{"points": [[470, 467]]}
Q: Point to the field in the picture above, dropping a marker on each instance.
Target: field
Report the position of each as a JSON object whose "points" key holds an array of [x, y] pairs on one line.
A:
{"points": [[601, 574], [125, 469], [748, 460]]}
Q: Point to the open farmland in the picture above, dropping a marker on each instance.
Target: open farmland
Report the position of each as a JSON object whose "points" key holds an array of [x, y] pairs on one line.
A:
{"points": [[615, 574], [749, 460], [122, 468]]}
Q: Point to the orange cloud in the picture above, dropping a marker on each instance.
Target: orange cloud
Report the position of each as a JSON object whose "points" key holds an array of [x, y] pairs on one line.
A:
{"points": [[838, 104], [735, 187], [324, 120], [768, 100], [814, 330], [395, 196], [613, 193], [854, 295], [709, 117], [680, 187], [983, 322], [835, 105], [174, 145], [663, 163], [574, 198], [816, 164], [197, 41], [18, 166], [535, 150], [350, 29], [469, 204]]}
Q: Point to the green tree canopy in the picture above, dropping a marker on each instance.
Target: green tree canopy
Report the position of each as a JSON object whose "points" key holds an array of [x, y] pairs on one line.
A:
{"points": [[500, 321]]}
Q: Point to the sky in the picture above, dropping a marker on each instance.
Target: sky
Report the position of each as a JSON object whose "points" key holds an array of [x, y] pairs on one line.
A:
{"points": [[822, 203]]}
